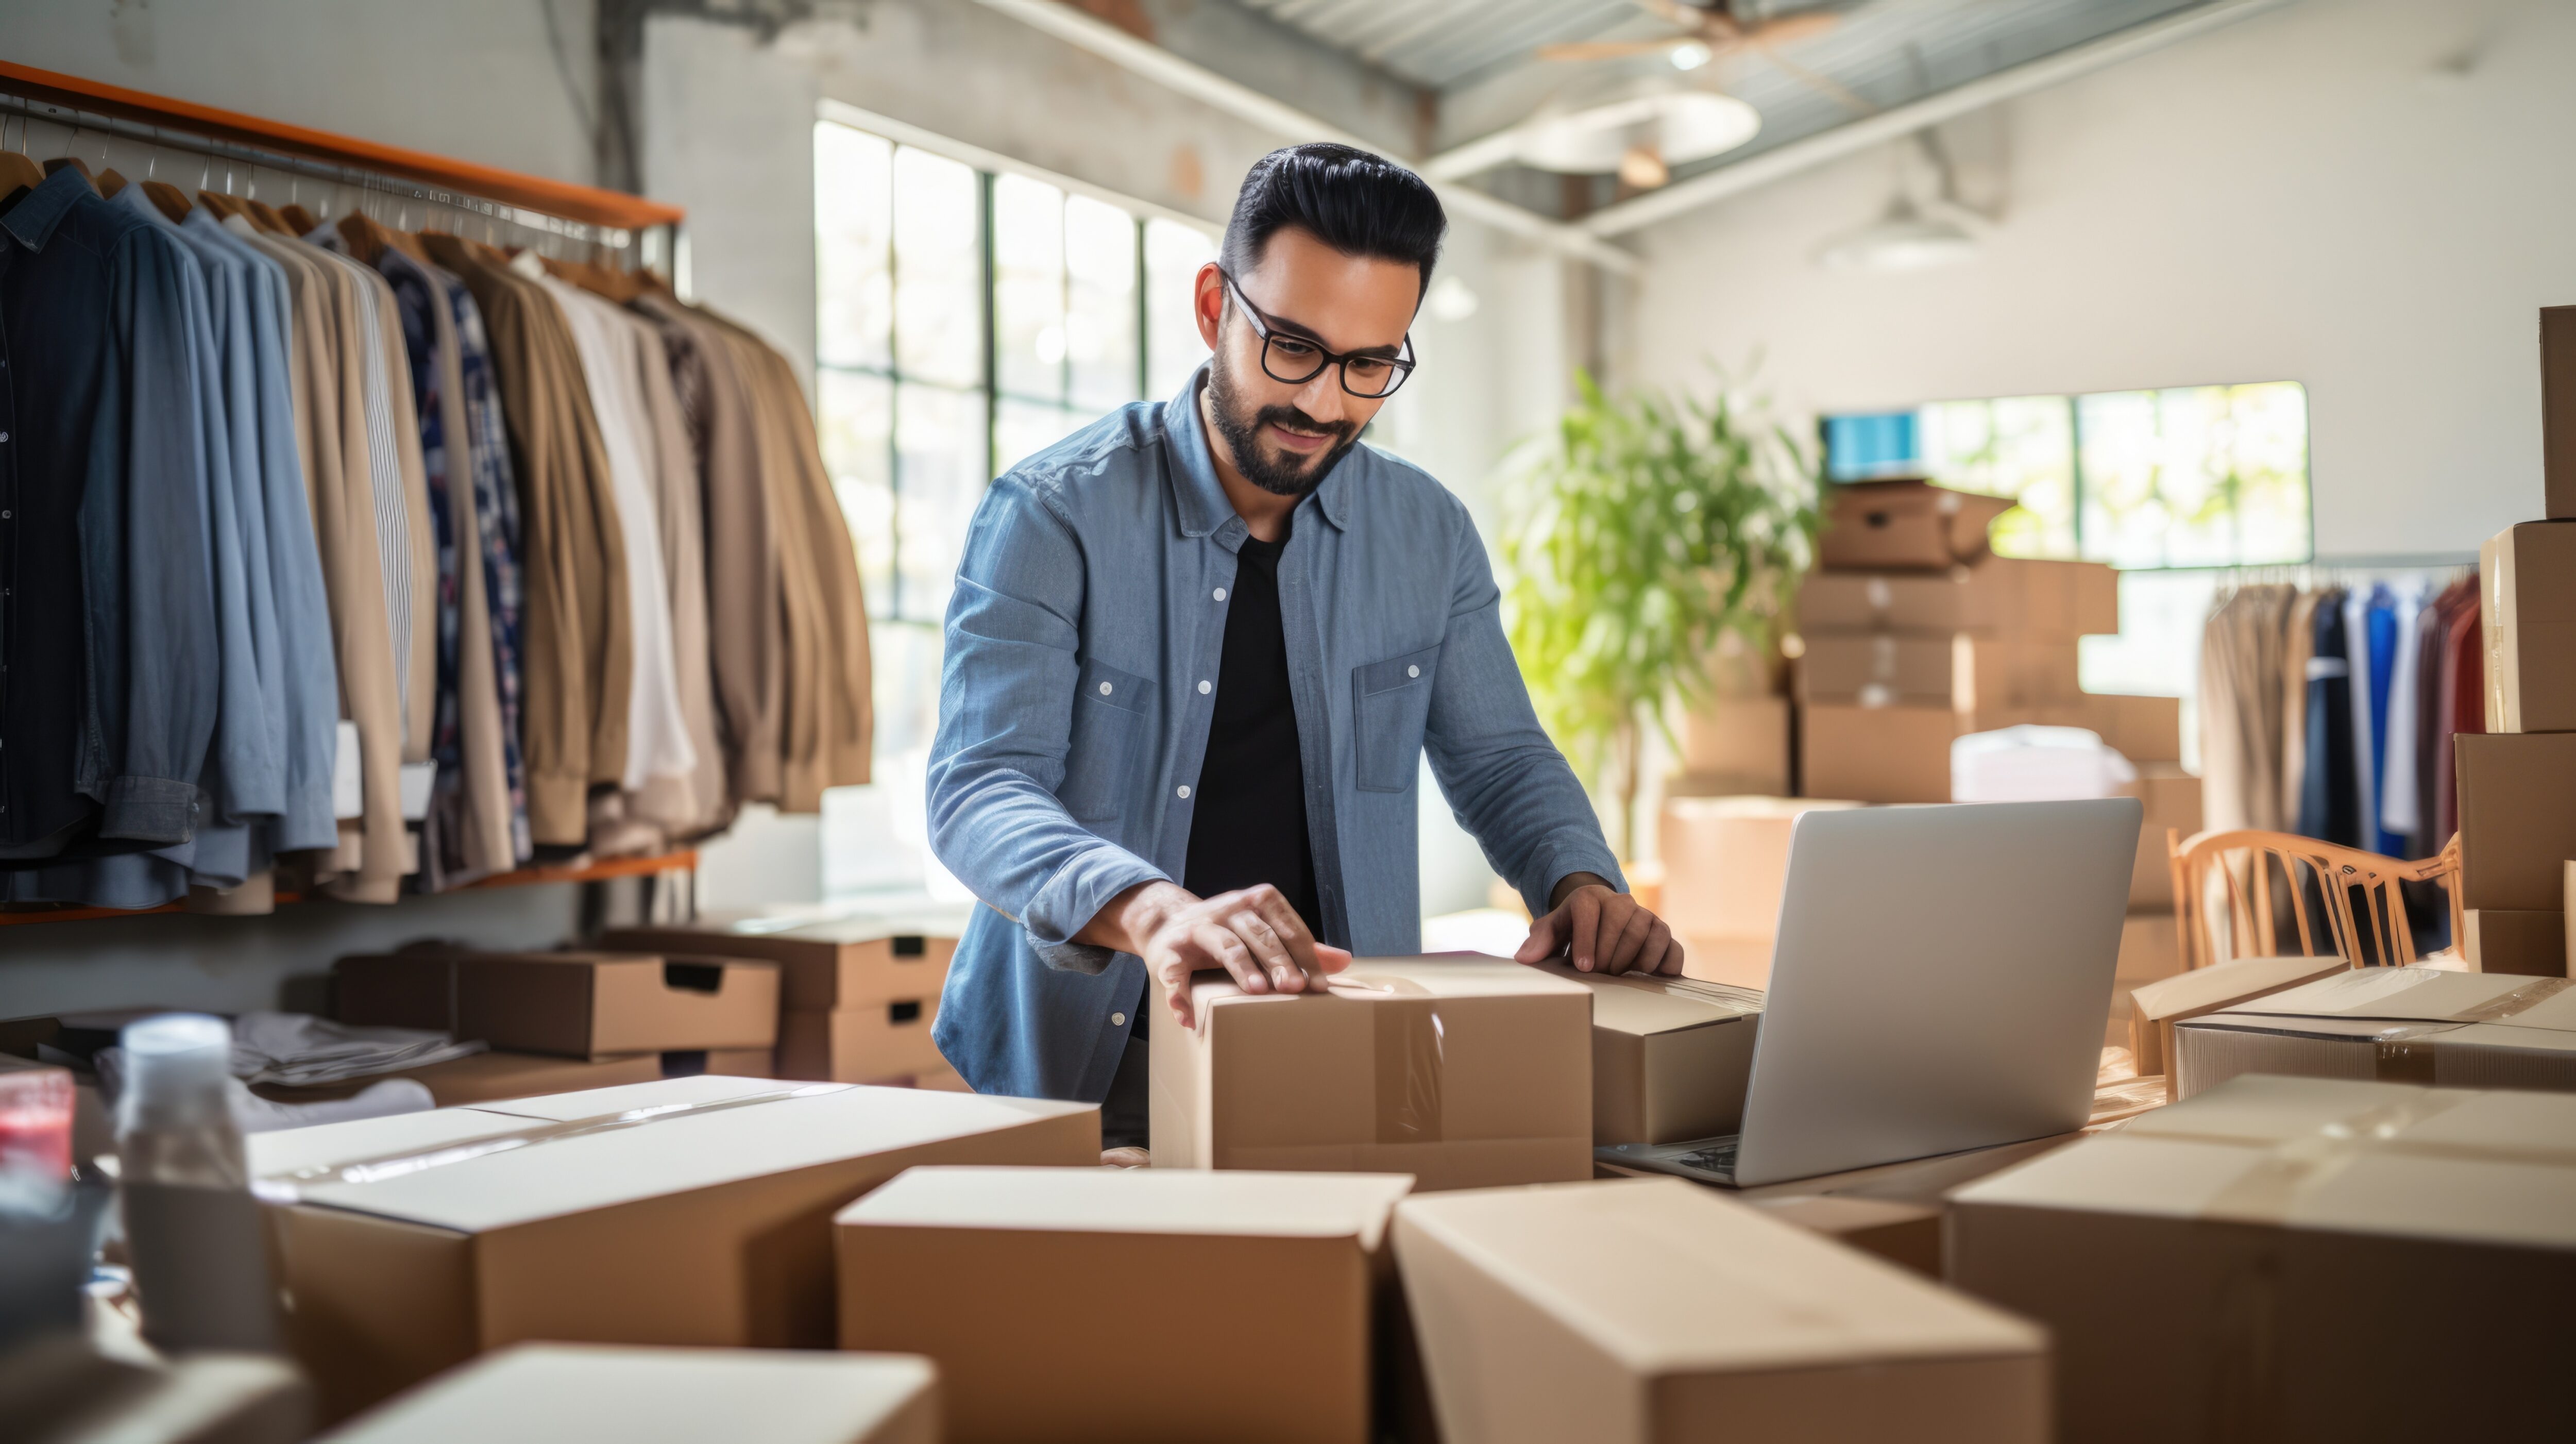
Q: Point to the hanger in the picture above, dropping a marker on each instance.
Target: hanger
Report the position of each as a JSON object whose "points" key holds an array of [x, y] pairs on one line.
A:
{"points": [[16, 167], [109, 182], [367, 237], [172, 201]]}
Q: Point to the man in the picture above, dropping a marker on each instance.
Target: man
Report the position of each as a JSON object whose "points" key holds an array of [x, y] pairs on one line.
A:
{"points": [[1193, 655]]}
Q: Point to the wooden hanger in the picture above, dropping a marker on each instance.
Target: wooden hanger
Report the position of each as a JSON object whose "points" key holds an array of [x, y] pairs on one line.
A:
{"points": [[18, 169], [367, 238], [76, 163], [266, 215], [172, 200], [300, 218], [109, 182], [219, 203]]}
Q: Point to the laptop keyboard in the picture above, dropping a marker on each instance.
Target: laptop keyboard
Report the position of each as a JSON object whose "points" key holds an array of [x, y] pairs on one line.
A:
{"points": [[1718, 1157]]}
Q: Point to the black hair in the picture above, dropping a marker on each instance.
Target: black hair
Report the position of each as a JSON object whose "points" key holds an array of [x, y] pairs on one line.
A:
{"points": [[1357, 203]]}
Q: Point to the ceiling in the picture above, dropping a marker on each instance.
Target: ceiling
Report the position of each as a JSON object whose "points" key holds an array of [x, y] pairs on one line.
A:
{"points": [[1473, 62]]}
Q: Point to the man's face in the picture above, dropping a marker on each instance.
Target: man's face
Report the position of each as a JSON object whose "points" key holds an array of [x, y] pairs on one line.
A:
{"points": [[1286, 437]]}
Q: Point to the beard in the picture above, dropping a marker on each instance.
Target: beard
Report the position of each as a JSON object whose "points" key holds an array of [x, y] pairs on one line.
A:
{"points": [[1279, 472]]}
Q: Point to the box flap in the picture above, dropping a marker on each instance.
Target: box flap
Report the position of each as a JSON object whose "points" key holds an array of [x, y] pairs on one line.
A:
{"points": [[1668, 1278], [1629, 1003], [2430, 995], [2225, 983], [612, 1150], [1137, 1200], [561, 1391], [330, 1145]]}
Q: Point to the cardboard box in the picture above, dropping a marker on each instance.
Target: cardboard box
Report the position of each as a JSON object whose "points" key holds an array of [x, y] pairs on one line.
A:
{"points": [[2558, 410], [1959, 670], [2502, 940], [2517, 818], [1736, 744], [486, 1078], [2400, 1025], [1905, 1234], [1462, 1071], [687, 1211], [722, 1062], [2212, 1270], [2154, 1008], [1905, 522], [2527, 621], [1877, 754], [571, 1004], [1658, 1310], [2005, 595], [57, 1387], [1726, 860], [2150, 950], [665, 1396], [1670, 1056], [852, 963], [860, 1045], [2172, 798], [1032, 1289]]}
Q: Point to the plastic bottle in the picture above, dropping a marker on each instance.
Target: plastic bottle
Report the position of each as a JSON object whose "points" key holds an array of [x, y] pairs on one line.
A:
{"points": [[192, 1229]]}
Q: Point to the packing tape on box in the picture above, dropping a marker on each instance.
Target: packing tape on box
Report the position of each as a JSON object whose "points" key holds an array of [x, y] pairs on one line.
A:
{"points": [[2538, 990], [1412, 1056], [2293, 1168], [286, 1188]]}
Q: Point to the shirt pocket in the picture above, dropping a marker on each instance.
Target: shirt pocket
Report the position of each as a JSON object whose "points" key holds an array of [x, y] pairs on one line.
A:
{"points": [[1108, 735], [1391, 704]]}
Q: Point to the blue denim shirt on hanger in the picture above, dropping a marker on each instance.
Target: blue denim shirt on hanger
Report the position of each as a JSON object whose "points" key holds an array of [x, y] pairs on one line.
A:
{"points": [[1082, 641]]}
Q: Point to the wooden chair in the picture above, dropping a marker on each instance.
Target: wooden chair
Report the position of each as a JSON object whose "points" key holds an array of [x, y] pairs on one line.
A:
{"points": [[2288, 895]]}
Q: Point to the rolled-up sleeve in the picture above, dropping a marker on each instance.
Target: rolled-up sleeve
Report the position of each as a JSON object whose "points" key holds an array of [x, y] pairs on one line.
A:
{"points": [[1506, 781], [1005, 722]]}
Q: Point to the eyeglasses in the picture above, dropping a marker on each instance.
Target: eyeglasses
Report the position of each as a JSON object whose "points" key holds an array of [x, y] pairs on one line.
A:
{"points": [[1297, 360]]}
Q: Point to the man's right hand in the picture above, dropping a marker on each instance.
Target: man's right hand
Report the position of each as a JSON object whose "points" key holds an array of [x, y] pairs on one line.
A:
{"points": [[1253, 934]]}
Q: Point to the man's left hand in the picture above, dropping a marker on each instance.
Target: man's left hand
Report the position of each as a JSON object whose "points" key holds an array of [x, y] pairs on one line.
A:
{"points": [[1602, 930]]}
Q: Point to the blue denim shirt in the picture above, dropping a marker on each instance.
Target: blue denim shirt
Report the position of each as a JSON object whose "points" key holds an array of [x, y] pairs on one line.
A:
{"points": [[1082, 647]]}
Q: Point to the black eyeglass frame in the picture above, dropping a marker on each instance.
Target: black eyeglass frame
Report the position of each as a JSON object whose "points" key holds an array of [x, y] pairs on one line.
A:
{"points": [[1261, 327]]}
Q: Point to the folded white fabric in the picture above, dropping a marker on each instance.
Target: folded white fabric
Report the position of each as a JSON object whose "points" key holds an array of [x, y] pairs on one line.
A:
{"points": [[254, 1114], [2035, 764], [300, 1050]]}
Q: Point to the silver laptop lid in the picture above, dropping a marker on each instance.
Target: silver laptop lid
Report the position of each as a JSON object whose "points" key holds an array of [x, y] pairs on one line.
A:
{"points": [[1940, 982]]}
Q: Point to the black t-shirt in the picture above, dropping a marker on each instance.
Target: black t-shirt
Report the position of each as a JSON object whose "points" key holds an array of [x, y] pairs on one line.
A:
{"points": [[1248, 823]]}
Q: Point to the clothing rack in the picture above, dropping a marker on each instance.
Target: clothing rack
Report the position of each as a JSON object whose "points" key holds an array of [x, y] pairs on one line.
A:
{"points": [[87, 119], [680, 865]]}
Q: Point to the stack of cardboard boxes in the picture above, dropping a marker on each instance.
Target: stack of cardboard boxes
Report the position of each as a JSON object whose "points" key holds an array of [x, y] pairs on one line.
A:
{"points": [[857, 996]]}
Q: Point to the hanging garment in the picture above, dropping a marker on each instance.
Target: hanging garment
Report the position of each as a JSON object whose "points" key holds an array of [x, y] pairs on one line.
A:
{"points": [[2330, 807], [107, 628], [492, 609], [2463, 705], [2362, 758], [2400, 806], [2379, 621], [2240, 709], [681, 524], [2298, 645]]}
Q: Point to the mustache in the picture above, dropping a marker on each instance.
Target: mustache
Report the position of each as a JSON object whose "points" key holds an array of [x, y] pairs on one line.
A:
{"points": [[1295, 418]]}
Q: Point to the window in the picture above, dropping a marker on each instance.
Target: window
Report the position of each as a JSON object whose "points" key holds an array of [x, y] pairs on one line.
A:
{"points": [[2198, 476], [969, 315]]}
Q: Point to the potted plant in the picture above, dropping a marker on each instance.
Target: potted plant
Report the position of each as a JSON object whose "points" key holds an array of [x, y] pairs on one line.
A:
{"points": [[1643, 532]]}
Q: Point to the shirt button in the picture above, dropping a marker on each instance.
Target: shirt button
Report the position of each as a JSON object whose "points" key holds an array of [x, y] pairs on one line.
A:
{"points": [[1204, 689], [1413, 671], [1185, 791], [4, 436], [1220, 594], [1104, 689], [1117, 1020]]}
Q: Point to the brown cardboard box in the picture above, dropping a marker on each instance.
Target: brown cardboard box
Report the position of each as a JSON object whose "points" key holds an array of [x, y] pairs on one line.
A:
{"points": [[1726, 860], [687, 1211], [2399, 1025], [2172, 798], [1032, 1289], [1670, 1056], [600, 1005], [56, 1387], [2154, 1008], [2517, 818], [1462, 1071], [572, 1004], [1963, 671], [2558, 410], [2150, 950], [1736, 744], [722, 1062], [2006, 595], [1908, 1234], [2503, 940], [860, 1045], [1656, 1310], [1905, 522], [664, 1396], [2209, 1270], [1877, 754], [853, 963], [487, 1077], [2527, 621]]}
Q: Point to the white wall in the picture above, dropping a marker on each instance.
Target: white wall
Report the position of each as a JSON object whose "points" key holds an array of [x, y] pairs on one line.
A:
{"points": [[2294, 197]]}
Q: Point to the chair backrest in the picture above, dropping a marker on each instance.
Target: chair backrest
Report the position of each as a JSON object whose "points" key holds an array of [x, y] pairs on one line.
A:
{"points": [[2283, 894]]}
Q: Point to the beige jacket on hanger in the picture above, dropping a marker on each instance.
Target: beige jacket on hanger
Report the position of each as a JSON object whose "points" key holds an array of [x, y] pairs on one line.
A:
{"points": [[684, 564]]}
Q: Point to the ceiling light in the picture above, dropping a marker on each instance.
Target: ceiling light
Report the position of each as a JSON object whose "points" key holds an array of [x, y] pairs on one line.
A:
{"points": [[1679, 126], [1902, 240], [1642, 169], [1689, 55]]}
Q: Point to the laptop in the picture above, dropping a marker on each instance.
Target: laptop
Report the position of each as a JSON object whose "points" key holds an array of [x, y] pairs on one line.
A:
{"points": [[1938, 984]]}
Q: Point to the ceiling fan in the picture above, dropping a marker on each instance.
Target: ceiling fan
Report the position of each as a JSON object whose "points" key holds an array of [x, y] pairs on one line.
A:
{"points": [[1709, 30]]}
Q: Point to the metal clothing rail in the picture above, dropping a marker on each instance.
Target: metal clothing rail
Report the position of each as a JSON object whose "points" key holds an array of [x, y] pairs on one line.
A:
{"points": [[357, 174]]}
